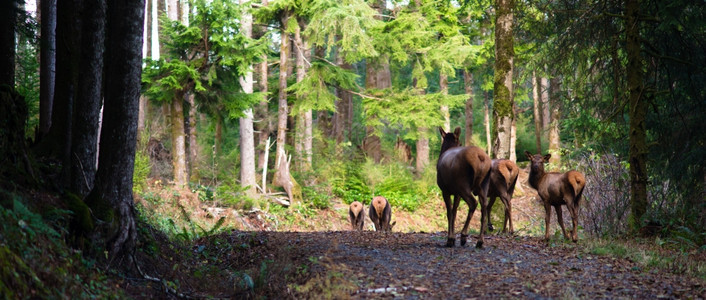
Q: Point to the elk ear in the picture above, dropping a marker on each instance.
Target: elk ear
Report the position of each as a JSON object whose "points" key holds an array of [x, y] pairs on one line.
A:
{"points": [[443, 133], [547, 157], [528, 154], [457, 132]]}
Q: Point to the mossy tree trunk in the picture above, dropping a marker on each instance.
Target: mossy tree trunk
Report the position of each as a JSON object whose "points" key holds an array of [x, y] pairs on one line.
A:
{"points": [[638, 111], [88, 101], [502, 84], [111, 198]]}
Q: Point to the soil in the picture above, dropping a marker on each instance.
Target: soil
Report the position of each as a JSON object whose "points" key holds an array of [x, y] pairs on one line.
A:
{"points": [[341, 264]]}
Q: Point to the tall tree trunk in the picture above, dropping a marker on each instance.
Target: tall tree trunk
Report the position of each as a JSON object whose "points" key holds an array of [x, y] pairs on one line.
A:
{"points": [[638, 111], [146, 47], [554, 141], [444, 90], [57, 142], [178, 140], [88, 102], [486, 121], [545, 112], [513, 139], [468, 85], [177, 119], [344, 109], [422, 150], [193, 144], [247, 135], [282, 177], [8, 22], [300, 124], [113, 188], [47, 65], [263, 126], [503, 90], [536, 97]]}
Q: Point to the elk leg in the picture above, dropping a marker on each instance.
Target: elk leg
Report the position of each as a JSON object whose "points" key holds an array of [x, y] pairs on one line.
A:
{"points": [[547, 220], [560, 220], [491, 201], [483, 222], [471, 209], [573, 210], [451, 238], [508, 214]]}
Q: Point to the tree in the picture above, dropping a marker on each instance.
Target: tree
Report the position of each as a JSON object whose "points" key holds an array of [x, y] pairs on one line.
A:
{"points": [[503, 91], [111, 197], [88, 101], [247, 136], [638, 111], [47, 69], [554, 119], [537, 110]]}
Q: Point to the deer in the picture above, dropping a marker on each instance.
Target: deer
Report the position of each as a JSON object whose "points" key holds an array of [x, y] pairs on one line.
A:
{"points": [[356, 212], [380, 213], [462, 172], [556, 189], [503, 176]]}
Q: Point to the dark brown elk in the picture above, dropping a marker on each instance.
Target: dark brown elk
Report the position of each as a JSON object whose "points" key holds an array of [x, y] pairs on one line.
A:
{"points": [[556, 189], [461, 172], [503, 176], [380, 213], [357, 215]]}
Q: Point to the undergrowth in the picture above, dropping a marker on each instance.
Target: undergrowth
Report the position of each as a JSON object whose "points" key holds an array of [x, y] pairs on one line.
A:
{"points": [[35, 261]]}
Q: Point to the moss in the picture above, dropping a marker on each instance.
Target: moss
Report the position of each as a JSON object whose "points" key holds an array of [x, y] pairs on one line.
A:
{"points": [[82, 214], [18, 280]]}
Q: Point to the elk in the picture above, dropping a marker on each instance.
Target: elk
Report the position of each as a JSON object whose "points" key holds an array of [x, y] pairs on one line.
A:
{"points": [[356, 212], [380, 213], [503, 176], [556, 189], [461, 172]]}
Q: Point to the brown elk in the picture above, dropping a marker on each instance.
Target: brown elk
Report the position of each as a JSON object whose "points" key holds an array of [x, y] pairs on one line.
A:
{"points": [[503, 176], [357, 215], [380, 213], [461, 172], [556, 189]]}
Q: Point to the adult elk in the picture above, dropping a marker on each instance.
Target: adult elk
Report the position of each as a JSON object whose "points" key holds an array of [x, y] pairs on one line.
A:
{"points": [[461, 172], [380, 213], [357, 215], [556, 189], [503, 176]]}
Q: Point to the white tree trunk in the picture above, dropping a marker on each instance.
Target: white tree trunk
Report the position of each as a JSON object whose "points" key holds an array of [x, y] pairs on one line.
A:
{"points": [[247, 135]]}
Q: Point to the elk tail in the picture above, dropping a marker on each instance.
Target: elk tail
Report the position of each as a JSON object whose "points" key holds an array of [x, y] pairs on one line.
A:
{"points": [[578, 182], [483, 167]]}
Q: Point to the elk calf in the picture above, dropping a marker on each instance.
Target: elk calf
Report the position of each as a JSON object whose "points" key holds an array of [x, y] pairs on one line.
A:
{"points": [[503, 176], [556, 189], [380, 213], [357, 215]]}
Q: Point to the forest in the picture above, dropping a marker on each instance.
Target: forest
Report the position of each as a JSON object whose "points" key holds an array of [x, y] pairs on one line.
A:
{"points": [[214, 148]]}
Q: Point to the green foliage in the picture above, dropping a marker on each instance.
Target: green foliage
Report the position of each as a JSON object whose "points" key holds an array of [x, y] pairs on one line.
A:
{"points": [[317, 196], [343, 25], [351, 186], [230, 193], [35, 261], [315, 91], [141, 172]]}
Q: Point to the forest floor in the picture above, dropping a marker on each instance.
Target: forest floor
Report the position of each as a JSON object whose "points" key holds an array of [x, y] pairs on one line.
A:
{"points": [[323, 260]]}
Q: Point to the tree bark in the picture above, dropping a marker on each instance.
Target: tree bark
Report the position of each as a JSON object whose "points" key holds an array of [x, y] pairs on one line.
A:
{"points": [[86, 110], [536, 97], [638, 111], [193, 144], [545, 112], [422, 150], [47, 65], [247, 135], [263, 126], [8, 22], [282, 177], [113, 189], [486, 121], [178, 140], [468, 86], [554, 141], [503, 89], [444, 90]]}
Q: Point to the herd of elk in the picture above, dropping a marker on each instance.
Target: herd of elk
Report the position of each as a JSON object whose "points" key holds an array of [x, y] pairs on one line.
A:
{"points": [[380, 214], [461, 172], [503, 176], [466, 171], [556, 189]]}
